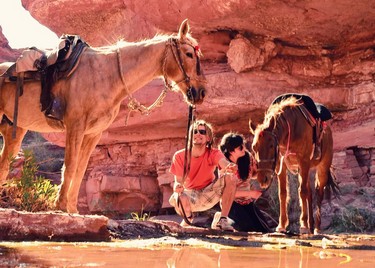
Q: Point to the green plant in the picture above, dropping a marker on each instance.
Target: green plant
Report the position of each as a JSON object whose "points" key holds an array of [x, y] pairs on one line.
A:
{"points": [[140, 217], [351, 219], [29, 192]]}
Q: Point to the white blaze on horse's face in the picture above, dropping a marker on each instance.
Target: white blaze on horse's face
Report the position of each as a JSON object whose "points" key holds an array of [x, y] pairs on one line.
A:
{"points": [[184, 66]]}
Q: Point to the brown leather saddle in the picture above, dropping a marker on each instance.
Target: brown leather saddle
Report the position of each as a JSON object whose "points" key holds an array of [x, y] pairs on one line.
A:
{"points": [[47, 66]]}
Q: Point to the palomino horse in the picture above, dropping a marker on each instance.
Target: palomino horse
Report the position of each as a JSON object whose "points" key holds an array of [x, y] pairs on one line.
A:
{"points": [[93, 95], [284, 142]]}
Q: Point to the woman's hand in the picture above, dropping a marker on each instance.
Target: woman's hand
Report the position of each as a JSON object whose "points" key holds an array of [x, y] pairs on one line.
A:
{"points": [[254, 194]]}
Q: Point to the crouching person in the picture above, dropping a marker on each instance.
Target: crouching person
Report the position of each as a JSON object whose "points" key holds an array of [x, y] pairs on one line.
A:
{"points": [[246, 215], [201, 189]]}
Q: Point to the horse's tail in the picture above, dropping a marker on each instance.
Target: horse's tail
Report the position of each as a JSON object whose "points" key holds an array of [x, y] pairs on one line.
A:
{"points": [[332, 186]]}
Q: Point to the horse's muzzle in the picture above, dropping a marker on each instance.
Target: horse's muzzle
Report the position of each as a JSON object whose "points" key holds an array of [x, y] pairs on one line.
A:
{"points": [[196, 96], [264, 179]]}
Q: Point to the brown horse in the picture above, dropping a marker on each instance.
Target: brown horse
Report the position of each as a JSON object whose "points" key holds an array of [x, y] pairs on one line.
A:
{"points": [[284, 142], [93, 95]]}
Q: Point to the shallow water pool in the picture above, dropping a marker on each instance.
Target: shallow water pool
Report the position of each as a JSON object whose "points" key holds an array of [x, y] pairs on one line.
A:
{"points": [[140, 254]]}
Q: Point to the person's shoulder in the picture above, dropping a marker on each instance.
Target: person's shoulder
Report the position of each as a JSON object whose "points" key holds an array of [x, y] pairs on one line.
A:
{"points": [[179, 152], [216, 152]]}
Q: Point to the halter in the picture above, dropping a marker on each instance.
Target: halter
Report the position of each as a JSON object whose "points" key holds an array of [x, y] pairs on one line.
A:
{"points": [[175, 43], [274, 159], [270, 160], [133, 104]]}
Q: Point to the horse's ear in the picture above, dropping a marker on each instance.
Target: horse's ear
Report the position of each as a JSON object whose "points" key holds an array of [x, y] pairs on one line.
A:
{"points": [[184, 28], [252, 127]]}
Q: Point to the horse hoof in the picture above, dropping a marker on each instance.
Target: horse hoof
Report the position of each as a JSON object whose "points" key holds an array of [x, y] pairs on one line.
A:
{"points": [[280, 229], [60, 206], [304, 230], [317, 231], [72, 210]]}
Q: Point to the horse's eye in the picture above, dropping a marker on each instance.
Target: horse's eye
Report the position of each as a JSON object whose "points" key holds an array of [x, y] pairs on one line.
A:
{"points": [[190, 55]]}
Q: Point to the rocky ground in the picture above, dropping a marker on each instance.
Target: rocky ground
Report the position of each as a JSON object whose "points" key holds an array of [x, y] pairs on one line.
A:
{"points": [[58, 226]]}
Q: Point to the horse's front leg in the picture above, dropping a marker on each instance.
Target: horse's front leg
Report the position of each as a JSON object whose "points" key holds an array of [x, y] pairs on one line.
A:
{"points": [[74, 138], [283, 198], [305, 197], [10, 148], [88, 146]]}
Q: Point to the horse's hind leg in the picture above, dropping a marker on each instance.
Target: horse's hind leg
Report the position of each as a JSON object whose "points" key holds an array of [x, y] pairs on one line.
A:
{"points": [[321, 178], [305, 197], [10, 148]]}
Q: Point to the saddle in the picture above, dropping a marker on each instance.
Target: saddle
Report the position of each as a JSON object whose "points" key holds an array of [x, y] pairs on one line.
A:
{"points": [[317, 124], [47, 66], [315, 114]]}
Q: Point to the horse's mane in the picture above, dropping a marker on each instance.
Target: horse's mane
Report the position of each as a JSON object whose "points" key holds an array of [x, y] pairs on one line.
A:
{"points": [[144, 42], [275, 110]]}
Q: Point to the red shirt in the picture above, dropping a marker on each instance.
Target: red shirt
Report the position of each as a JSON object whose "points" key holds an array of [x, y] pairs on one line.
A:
{"points": [[201, 168]]}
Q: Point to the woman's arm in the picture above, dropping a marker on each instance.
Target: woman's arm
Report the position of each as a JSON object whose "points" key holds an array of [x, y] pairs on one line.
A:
{"points": [[227, 166], [248, 194]]}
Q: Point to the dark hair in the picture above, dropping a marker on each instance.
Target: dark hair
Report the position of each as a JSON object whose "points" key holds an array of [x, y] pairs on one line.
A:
{"points": [[231, 141]]}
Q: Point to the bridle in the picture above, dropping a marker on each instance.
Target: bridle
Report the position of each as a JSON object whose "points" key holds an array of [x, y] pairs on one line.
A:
{"points": [[265, 162], [172, 43], [276, 154], [175, 43]]}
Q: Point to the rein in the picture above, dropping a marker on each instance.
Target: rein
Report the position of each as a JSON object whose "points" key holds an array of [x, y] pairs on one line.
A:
{"points": [[187, 157], [277, 152], [287, 152]]}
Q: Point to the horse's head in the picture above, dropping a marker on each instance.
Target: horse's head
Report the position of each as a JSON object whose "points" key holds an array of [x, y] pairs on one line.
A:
{"points": [[183, 65], [265, 153]]}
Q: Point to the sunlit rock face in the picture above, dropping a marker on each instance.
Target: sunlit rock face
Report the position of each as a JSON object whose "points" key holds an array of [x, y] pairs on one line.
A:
{"points": [[6, 52], [253, 51]]}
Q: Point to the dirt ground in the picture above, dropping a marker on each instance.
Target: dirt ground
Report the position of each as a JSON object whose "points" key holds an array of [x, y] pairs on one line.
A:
{"points": [[165, 230]]}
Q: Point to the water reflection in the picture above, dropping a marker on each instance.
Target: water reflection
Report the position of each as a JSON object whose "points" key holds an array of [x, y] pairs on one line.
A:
{"points": [[120, 254]]}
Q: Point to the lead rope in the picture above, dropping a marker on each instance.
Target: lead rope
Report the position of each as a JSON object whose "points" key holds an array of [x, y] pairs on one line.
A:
{"points": [[187, 158], [287, 153], [133, 104]]}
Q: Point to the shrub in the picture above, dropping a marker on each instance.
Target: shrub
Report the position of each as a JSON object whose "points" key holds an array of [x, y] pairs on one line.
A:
{"points": [[351, 219], [29, 192]]}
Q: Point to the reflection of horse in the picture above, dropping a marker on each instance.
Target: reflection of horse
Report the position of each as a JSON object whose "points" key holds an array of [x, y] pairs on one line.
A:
{"points": [[284, 141], [93, 95]]}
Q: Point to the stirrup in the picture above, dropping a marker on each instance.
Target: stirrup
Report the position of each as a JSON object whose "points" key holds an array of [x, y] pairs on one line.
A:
{"points": [[55, 111]]}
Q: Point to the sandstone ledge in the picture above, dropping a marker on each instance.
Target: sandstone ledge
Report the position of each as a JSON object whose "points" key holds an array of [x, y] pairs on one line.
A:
{"points": [[59, 226], [51, 226]]}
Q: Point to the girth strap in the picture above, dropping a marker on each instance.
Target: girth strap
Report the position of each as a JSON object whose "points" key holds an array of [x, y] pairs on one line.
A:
{"points": [[18, 93]]}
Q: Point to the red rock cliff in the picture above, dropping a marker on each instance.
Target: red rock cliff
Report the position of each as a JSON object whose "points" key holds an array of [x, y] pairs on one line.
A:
{"points": [[253, 51]]}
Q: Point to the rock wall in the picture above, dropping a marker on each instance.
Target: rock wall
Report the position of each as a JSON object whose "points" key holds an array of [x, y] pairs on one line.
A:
{"points": [[253, 51]]}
